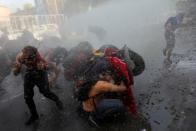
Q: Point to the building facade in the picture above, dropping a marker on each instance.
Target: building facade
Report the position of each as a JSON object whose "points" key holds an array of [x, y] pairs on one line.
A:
{"points": [[50, 7], [66, 7], [5, 13]]}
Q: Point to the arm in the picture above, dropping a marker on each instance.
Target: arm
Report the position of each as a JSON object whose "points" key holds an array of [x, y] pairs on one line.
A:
{"points": [[17, 65], [103, 86]]}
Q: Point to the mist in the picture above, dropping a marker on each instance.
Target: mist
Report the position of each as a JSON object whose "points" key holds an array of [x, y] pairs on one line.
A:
{"points": [[139, 24], [136, 23]]}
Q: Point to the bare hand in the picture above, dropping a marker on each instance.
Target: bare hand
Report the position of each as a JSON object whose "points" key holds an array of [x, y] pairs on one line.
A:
{"points": [[41, 66]]}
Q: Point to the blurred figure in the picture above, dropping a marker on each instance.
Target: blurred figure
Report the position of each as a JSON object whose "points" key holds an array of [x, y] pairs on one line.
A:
{"points": [[3, 37], [75, 62], [5, 64], [98, 31], [55, 57], [170, 27], [35, 74], [27, 36]]}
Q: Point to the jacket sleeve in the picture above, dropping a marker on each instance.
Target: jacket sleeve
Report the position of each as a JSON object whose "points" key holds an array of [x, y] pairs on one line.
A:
{"points": [[17, 64], [42, 61], [103, 86]]}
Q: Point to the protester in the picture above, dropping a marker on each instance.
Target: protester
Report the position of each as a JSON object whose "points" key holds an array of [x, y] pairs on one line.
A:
{"points": [[35, 74], [171, 25]]}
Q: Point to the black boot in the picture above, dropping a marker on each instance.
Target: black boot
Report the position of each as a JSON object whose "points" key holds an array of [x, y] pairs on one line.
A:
{"points": [[34, 115], [32, 119]]}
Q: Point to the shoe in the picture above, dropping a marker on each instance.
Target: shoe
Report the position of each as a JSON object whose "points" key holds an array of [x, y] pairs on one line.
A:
{"points": [[31, 120], [93, 122], [59, 105]]}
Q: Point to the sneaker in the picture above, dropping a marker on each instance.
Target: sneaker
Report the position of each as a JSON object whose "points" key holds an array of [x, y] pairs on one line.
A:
{"points": [[93, 122], [31, 120], [59, 105]]}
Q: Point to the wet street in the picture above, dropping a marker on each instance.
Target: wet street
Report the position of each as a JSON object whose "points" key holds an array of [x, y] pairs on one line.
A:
{"points": [[14, 112]]}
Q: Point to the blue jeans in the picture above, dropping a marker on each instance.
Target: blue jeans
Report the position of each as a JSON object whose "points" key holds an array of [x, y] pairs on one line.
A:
{"points": [[108, 109]]}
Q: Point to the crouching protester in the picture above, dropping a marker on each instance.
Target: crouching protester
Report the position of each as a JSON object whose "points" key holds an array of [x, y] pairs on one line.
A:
{"points": [[125, 75], [101, 102], [35, 74]]}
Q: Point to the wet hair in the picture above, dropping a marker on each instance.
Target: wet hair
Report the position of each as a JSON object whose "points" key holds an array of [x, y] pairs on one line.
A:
{"points": [[29, 51]]}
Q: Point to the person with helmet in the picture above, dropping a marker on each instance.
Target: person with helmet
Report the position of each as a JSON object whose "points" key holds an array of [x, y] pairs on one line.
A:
{"points": [[170, 27], [35, 74]]}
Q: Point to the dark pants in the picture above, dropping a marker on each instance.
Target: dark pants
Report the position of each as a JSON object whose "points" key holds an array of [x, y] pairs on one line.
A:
{"points": [[170, 39], [40, 79], [108, 109]]}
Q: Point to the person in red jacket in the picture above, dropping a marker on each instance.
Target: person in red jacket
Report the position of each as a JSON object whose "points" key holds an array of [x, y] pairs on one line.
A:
{"points": [[35, 74], [122, 71]]}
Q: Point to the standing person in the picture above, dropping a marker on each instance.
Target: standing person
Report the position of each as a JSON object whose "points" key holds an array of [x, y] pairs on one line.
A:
{"points": [[35, 74], [170, 27]]}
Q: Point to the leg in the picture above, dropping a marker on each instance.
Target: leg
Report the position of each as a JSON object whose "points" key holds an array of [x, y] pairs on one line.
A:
{"points": [[167, 41], [43, 86], [164, 51], [169, 52], [170, 38], [170, 48], [28, 96], [108, 109]]}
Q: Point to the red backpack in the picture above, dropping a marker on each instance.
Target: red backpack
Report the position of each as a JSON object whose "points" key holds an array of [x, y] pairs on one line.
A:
{"points": [[122, 70]]}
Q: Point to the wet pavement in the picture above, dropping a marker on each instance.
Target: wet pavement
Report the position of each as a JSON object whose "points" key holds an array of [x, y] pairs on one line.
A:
{"points": [[169, 102], [14, 112]]}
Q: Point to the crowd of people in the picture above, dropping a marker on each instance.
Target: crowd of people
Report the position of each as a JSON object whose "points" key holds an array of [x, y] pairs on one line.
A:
{"points": [[103, 77]]}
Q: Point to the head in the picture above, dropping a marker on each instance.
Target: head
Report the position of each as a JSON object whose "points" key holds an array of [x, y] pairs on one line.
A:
{"points": [[109, 52], [85, 46], [103, 47], [29, 54], [107, 76], [180, 17]]}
